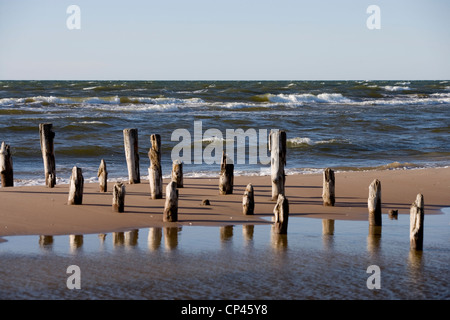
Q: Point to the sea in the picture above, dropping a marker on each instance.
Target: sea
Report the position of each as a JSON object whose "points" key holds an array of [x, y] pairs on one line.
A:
{"points": [[344, 125]]}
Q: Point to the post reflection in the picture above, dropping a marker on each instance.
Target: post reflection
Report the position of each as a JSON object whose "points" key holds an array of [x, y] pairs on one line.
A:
{"points": [[171, 237], [75, 242], [131, 238], [154, 238], [247, 232], [415, 265], [118, 239], [226, 233], [277, 240], [327, 233], [46, 242], [374, 239]]}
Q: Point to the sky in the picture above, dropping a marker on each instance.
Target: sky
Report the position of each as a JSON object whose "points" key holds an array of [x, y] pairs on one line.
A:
{"points": [[225, 40]]}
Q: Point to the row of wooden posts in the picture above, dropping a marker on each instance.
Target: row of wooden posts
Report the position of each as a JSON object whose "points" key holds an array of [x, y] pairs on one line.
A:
{"points": [[277, 147]]}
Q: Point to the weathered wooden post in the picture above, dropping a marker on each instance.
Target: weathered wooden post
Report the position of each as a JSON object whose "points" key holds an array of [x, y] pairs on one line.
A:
{"points": [[177, 173], [48, 153], [417, 214], [6, 166], [281, 212], [328, 188], [155, 171], [118, 202], [102, 175], [277, 147], [131, 144], [76, 186], [374, 203], [248, 201], [226, 179], [171, 205]]}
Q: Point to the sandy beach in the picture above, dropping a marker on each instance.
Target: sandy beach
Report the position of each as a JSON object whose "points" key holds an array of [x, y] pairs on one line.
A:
{"points": [[43, 211]]}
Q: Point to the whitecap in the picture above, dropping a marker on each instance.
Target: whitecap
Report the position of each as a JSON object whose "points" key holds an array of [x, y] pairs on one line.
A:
{"points": [[396, 88]]}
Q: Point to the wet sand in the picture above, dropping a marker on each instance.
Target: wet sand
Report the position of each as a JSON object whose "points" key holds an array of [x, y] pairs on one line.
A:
{"points": [[38, 210]]}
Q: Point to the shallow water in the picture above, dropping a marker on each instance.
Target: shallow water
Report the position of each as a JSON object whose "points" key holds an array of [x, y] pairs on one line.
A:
{"points": [[233, 262]]}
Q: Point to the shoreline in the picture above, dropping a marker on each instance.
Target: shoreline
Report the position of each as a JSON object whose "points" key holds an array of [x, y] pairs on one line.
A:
{"points": [[37, 210]]}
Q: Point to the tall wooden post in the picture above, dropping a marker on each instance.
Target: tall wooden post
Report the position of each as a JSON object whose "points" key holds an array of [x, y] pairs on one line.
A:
{"points": [[177, 173], [48, 154], [226, 179], [248, 201], [76, 186], [6, 166], [131, 144], [328, 188], [102, 175], [155, 171], [118, 202], [374, 203], [281, 212], [277, 147], [171, 205], [417, 214]]}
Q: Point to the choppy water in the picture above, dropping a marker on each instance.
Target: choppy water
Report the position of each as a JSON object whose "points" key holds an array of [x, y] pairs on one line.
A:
{"points": [[234, 262], [347, 125]]}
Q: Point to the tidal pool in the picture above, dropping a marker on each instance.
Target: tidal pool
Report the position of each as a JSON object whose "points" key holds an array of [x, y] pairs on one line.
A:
{"points": [[317, 259]]}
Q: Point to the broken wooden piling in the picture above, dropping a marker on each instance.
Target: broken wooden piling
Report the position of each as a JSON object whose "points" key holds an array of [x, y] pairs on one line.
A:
{"points": [[118, 202], [76, 186], [177, 173], [131, 145], [277, 147], [48, 155], [155, 171], [102, 175], [281, 212], [248, 201], [328, 195], [171, 204], [374, 203], [6, 166], [226, 179], [417, 214]]}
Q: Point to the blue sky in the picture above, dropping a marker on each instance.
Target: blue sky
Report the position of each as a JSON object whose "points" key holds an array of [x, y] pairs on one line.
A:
{"points": [[224, 40]]}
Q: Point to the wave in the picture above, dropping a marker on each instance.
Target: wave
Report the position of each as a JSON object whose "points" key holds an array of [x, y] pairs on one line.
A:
{"points": [[396, 88], [308, 98], [299, 141], [143, 103]]}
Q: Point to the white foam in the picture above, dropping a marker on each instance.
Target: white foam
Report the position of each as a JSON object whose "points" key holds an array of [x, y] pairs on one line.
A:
{"points": [[308, 98], [308, 141], [396, 88]]}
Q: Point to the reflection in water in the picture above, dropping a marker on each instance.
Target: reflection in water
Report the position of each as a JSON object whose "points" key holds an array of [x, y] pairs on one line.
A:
{"points": [[46, 242], [226, 233], [211, 267], [278, 241], [131, 237], [374, 239], [154, 238], [118, 239], [171, 237], [248, 231], [327, 233], [75, 242]]}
